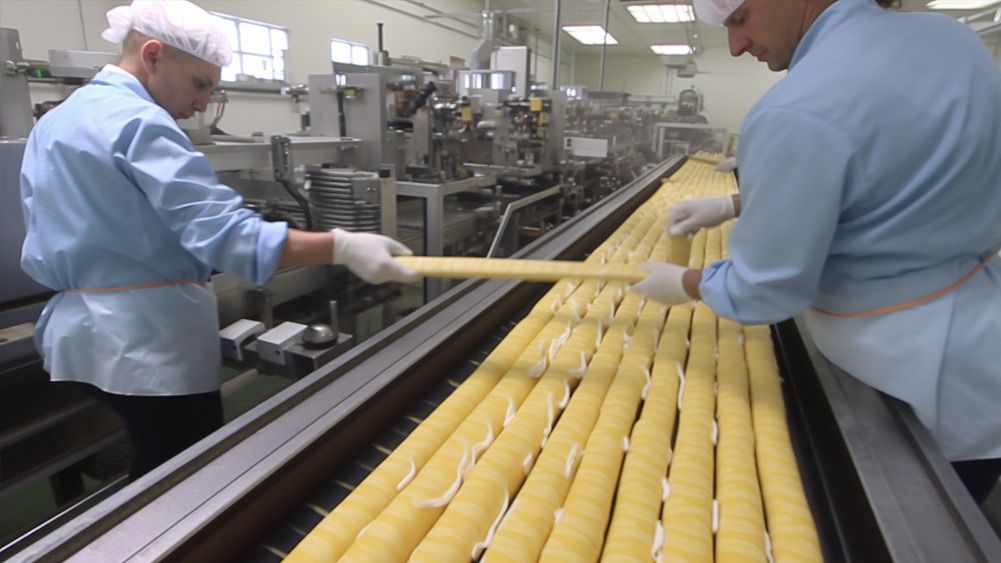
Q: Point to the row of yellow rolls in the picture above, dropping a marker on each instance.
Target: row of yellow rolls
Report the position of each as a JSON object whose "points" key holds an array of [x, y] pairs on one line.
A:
{"points": [[562, 444]]}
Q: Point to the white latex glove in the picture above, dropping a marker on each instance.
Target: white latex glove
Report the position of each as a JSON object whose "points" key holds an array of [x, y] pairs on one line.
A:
{"points": [[727, 164], [664, 283], [370, 257], [693, 214]]}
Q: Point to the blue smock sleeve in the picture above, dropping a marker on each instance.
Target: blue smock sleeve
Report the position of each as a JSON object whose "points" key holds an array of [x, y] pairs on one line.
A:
{"points": [[794, 169], [208, 217]]}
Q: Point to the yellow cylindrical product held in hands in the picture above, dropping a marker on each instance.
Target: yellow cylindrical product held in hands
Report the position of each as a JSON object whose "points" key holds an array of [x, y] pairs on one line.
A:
{"points": [[529, 270]]}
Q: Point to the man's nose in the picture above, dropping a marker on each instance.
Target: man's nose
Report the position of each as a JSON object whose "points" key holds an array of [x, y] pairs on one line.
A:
{"points": [[739, 43], [202, 102]]}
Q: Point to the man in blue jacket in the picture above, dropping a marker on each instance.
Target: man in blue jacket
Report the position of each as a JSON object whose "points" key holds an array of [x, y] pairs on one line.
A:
{"points": [[126, 221], [870, 197]]}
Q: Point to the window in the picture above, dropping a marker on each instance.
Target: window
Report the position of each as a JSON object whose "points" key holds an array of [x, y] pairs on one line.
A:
{"points": [[258, 48], [349, 52]]}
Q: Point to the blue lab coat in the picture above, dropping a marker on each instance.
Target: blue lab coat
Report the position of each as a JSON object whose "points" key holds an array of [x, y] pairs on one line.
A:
{"points": [[114, 194], [871, 176]]}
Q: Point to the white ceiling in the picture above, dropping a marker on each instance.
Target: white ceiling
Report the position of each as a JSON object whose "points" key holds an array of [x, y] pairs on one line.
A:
{"points": [[634, 38]]}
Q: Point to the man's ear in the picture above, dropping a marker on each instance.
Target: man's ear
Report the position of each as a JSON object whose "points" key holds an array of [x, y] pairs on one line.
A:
{"points": [[151, 54]]}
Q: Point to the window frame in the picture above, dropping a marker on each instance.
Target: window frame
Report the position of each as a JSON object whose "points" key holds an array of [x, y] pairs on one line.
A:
{"points": [[277, 54], [352, 46]]}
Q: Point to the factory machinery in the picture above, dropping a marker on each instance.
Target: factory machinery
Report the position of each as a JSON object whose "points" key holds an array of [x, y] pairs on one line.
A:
{"points": [[876, 487], [392, 149], [481, 160]]}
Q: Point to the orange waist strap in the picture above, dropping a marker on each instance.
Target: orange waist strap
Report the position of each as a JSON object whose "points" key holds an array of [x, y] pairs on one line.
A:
{"points": [[131, 287], [920, 300]]}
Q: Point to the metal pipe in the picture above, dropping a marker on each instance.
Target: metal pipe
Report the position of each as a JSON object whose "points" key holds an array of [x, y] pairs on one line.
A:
{"points": [[83, 24], [535, 61], [604, 46], [515, 206], [556, 47], [435, 13], [989, 29], [412, 15]]}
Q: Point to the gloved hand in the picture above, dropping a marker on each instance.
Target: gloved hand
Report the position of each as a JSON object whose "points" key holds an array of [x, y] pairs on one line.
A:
{"points": [[664, 283], [693, 214], [727, 164], [370, 257]]}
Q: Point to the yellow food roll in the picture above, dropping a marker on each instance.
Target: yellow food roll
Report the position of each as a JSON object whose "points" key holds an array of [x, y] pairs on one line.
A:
{"points": [[687, 513], [529, 270], [404, 522], [522, 533], [633, 528], [741, 535], [790, 522], [468, 517], [579, 533]]}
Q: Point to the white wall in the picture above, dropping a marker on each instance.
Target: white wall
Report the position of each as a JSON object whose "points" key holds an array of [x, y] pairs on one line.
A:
{"points": [[636, 75], [77, 24], [56, 24], [993, 42], [730, 86]]}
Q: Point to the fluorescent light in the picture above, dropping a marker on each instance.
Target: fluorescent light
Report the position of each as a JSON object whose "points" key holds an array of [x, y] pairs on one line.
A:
{"points": [[590, 34], [661, 13], [960, 4], [671, 49]]}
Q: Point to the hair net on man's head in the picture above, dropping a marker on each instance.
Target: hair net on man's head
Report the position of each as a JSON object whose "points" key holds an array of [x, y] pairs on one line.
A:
{"points": [[715, 12], [177, 23]]}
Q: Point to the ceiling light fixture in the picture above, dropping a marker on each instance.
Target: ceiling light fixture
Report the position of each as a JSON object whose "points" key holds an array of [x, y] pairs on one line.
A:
{"points": [[590, 34], [960, 4], [676, 49], [661, 13]]}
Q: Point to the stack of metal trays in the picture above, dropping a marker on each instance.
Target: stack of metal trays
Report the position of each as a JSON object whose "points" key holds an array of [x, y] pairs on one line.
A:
{"points": [[345, 198], [278, 210]]}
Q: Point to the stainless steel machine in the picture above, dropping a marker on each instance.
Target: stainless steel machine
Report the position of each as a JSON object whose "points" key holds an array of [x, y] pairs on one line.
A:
{"points": [[414, 130], [44, 432], [684, 129], [18, 291], [878, 489]]}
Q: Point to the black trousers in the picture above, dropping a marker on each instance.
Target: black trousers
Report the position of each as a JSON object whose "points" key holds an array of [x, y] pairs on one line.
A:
{"points": [[160, 427], [979, 475]]}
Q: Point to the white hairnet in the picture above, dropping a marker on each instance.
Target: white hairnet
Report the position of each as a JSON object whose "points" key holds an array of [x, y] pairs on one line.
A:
{"points": [[715, 12], [177, 23]]}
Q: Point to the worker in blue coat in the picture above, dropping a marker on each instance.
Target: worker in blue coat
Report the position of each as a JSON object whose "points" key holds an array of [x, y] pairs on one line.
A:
{"points": [[870, 202], [126, 221]]}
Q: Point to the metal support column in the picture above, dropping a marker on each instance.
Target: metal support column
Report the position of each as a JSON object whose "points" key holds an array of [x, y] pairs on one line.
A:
{"points": [[604, 47], [556, 47]]}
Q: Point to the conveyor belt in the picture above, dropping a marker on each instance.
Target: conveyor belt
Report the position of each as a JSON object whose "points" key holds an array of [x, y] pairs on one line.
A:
{"points": [[218, 500]]}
